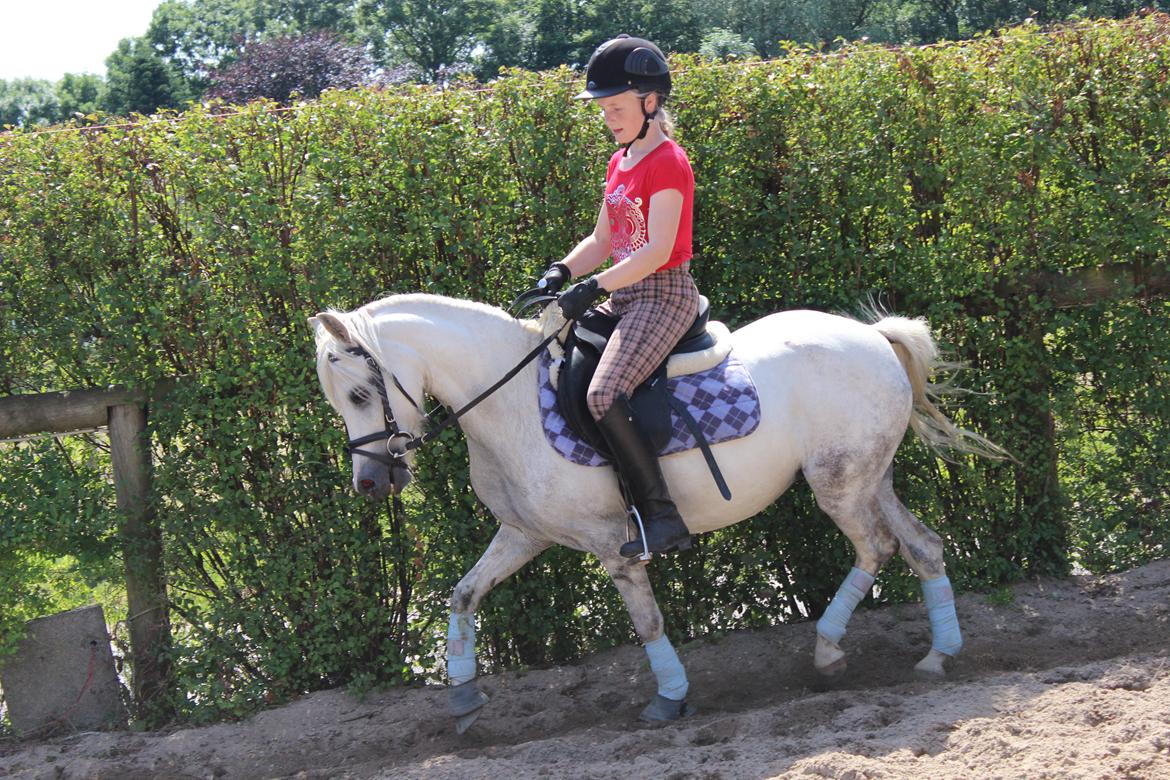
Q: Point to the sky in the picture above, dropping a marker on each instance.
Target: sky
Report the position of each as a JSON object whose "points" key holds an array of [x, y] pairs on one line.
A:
{"points": [[46, 39]]}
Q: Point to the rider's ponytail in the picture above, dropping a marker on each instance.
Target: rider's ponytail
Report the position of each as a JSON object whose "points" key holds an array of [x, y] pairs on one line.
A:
{"points": [[663, 115]]}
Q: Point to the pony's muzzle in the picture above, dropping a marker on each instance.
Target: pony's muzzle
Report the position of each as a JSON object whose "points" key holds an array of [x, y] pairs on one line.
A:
{"points": [[378, 476], [378, 489], [373, 485], [378, 481]]}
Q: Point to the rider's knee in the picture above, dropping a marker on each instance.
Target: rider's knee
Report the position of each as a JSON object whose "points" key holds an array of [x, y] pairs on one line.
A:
{"points": [[599, 400]]}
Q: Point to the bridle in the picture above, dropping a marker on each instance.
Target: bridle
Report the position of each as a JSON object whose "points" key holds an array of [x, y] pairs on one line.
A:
{"points": [[395, 456], [391, 431]]}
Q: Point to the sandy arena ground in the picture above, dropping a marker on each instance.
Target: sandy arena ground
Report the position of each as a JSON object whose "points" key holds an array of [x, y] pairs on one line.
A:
{"points": [[1069, 680]]}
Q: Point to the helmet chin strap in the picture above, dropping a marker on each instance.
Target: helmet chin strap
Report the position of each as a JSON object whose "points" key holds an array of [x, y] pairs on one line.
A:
{"points": [[647, 117]]}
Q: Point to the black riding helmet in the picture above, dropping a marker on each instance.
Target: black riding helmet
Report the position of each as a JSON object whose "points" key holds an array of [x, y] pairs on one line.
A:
{"points": [[624, 63]]}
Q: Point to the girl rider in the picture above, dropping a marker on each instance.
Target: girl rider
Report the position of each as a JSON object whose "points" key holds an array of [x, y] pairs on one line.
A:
{"points": [[645, 224]]}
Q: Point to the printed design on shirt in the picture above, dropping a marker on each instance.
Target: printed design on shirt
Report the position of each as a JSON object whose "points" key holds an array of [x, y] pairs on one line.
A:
{"points": [[627, 223]]}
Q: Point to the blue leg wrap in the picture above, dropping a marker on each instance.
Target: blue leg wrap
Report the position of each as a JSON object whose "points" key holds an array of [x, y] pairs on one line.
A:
{"points": [[461, 648], [832, 624], [672, 678], [944, 623]]}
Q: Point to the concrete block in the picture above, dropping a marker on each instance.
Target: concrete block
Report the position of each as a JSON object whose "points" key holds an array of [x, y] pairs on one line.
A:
{"points": [[62, 676]]}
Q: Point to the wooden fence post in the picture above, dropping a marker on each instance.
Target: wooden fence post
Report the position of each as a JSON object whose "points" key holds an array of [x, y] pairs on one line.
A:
{"points": [[142, 551], [123, 411]]}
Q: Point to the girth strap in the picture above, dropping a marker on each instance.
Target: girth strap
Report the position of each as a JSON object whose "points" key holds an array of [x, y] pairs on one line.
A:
{"points": [[680, 409]]}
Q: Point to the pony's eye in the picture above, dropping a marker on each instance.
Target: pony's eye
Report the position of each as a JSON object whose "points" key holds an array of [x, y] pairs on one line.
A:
{"points": [[359, 396]]}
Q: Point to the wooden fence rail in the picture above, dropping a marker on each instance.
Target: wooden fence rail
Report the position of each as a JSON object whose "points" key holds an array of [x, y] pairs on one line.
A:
{"points": [[62, 412]]}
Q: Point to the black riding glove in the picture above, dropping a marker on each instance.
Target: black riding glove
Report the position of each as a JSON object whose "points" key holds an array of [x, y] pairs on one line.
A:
{"points": [[554, 278], [576, 300]]}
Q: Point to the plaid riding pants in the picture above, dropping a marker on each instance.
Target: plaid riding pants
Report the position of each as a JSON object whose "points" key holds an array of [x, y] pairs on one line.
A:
{"points": [[655, 313]]}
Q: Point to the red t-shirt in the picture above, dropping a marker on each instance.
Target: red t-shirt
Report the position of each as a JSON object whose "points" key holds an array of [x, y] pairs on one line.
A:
{"points": [[627, 200]]}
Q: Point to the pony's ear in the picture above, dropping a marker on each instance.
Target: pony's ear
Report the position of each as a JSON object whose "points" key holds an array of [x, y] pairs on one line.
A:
{"points": [[333, 324]]}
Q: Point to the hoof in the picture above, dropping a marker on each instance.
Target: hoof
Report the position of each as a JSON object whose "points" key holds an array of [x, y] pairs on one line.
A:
{"points": [[465, 703], [835, 669], [662, 709], [829, 658], [464, 723], [932, 665]]}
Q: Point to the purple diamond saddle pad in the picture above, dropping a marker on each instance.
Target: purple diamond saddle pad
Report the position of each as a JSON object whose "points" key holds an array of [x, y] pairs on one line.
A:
{"points": [[723, 401]]}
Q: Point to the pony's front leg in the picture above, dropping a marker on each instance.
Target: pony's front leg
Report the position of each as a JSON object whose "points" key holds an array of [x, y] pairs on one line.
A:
{"points": [[510, 549], [634, 586]]}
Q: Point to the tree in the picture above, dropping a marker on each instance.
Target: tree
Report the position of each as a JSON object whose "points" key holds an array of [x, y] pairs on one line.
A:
{"points": [[139, 80], [943, 20], [720, 44], [554, 40], [28, 103], [505, 41], [428, 39], [766, 23], [199, 36], [304, 65], [195, 38], [536, 35], [674, 26], [435, 36], [79, 93], [339, 16]]}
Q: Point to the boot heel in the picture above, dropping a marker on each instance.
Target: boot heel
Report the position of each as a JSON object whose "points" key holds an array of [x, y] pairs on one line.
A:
{"points": [[685, 543]]}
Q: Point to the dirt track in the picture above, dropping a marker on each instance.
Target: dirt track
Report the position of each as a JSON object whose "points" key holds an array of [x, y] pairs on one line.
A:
{"points": [[1069, 680]]}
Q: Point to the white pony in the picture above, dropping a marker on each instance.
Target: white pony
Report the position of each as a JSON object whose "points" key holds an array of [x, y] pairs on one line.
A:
{"points": [[836, 398]]}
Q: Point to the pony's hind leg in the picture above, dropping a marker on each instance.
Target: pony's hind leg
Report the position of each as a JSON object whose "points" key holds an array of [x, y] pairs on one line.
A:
{"points": [[853, 508], [922, 550]]}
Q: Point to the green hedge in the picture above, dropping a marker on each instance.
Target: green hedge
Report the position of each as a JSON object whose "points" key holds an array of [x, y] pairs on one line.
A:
{"points": [[973, 184]]}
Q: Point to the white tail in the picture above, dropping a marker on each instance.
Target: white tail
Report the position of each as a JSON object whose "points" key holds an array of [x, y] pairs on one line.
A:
{"points": [[918, 355]]}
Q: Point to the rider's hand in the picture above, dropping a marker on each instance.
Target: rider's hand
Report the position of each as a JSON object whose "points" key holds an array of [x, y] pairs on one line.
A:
{"points": [[576, 300], [554, 278]]}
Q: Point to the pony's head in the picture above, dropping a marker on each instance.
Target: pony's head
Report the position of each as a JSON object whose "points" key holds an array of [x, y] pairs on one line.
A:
{"points": [[372, 388]]}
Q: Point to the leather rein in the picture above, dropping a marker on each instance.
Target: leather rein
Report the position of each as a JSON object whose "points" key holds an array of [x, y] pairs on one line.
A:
{"points": [[395, 454]]}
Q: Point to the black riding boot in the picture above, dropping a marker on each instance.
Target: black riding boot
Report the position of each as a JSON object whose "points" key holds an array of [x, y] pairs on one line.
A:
{"points": [[637, 462]]}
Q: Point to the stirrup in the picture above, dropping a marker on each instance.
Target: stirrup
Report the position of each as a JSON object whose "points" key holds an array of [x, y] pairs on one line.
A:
{"points": [[646, 555]]}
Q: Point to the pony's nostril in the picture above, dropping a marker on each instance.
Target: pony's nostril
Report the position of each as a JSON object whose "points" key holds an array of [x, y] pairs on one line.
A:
{"points": [[366, 484]]}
